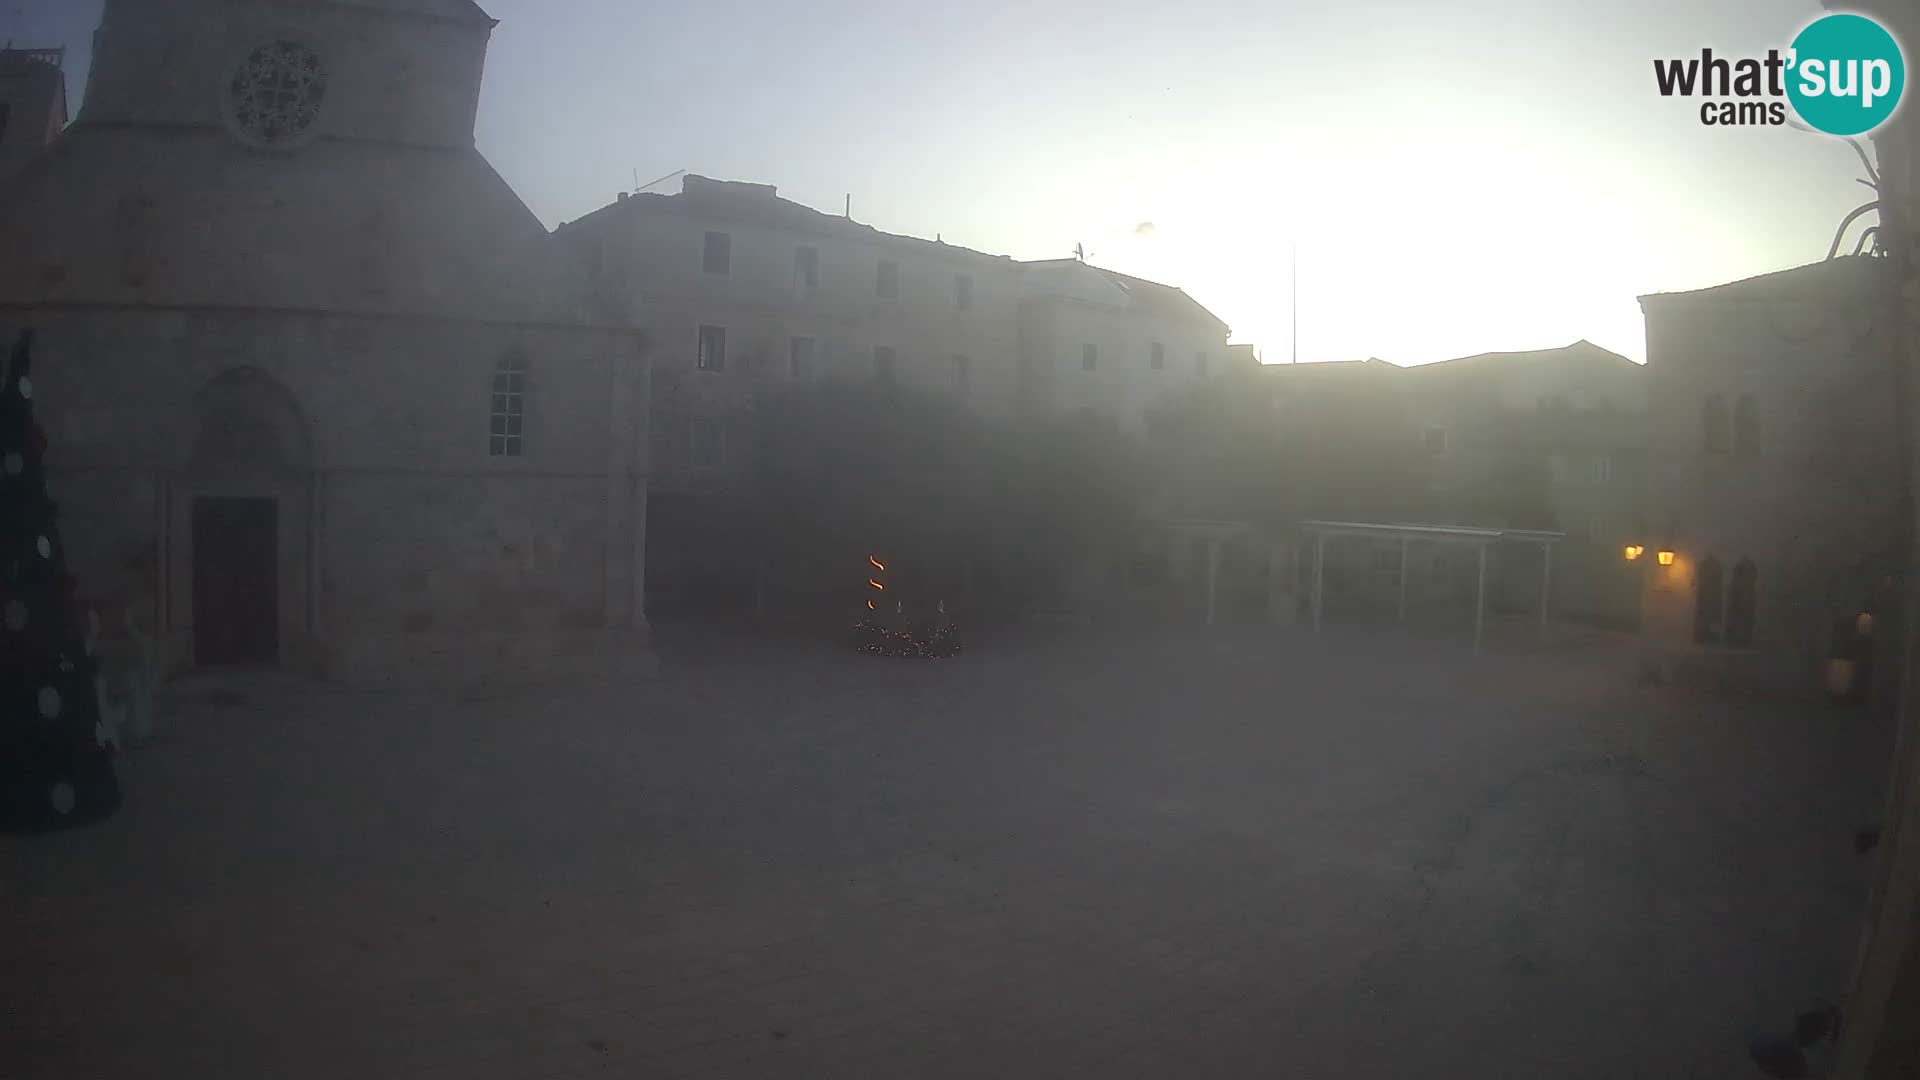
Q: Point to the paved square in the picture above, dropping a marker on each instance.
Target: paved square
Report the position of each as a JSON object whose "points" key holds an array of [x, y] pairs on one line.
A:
{"points": [[1077, 853]]}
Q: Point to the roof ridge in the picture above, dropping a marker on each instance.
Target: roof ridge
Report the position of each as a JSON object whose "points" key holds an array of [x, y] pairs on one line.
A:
{"points": [[1821, 270]]}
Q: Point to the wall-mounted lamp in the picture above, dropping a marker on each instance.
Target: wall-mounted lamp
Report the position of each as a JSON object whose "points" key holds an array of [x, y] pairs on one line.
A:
{"points": [[1665, 557], [1634, 551]]}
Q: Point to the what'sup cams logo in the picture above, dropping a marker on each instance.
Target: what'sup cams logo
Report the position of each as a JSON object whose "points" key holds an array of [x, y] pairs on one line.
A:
{"points": [[1843, 75]]}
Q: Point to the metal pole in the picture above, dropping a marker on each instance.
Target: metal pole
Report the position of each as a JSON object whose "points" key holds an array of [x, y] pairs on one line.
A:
{"points": [[1319, 581], [1480, 601], [1546, 580], [1403, 579]]}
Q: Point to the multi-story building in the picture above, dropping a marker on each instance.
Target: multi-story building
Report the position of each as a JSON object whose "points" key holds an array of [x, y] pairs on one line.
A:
{"points": [[320, 393], [33, 103], [745, 293], [1550, 439], [1113, 344], [1774, 466], [744, 290]]}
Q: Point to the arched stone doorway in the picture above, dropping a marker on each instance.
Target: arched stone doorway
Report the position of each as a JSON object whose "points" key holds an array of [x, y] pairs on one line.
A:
{"points": [[243, 516]]}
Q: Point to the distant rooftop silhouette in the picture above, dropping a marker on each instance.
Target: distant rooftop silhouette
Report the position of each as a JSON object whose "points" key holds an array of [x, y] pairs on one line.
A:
{"points": [[761, 204], [18, 61], [1169, 301], [1829, 276], [455, 10], [1332, 368], [1582, 350]]}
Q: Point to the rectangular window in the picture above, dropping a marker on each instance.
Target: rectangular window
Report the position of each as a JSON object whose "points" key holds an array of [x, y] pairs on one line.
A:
{"points": [[1597, 529], [1436, 439], [1557, 468], [963, 292], [713, 349], [709, 438], [886, 279], [509, 408], [962, 373], [883, 363], [806, 267], [1158, 359], [718, 258], [1602, 470], [1200, 364], [1089, 357], [800, 357]]}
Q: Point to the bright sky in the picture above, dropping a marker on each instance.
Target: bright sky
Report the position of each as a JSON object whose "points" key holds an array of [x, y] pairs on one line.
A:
{"points": [[1459, 176]]}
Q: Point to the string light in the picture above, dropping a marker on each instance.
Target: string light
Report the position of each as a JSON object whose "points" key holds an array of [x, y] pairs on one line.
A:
{"points": [[876, 639]]}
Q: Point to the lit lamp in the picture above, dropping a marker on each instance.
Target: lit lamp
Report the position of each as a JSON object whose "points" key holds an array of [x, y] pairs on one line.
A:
{"points": [[1665, 557], [1634, 551]]}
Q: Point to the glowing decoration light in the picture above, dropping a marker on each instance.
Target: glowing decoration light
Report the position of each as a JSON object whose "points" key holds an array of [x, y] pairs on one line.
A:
{"points": [[1634, 551], [895, 634], [1665, 557]]}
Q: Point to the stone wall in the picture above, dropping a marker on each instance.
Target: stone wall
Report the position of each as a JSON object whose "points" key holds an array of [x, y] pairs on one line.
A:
{"points": [[188, 218], [1814, 506], [639, 257], [393, 79], [1123, 384], [33, 95], [401, 538]]}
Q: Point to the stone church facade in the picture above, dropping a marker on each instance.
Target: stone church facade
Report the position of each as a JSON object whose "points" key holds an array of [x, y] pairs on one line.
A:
{"points": [[319, 394], [1772, 438]]}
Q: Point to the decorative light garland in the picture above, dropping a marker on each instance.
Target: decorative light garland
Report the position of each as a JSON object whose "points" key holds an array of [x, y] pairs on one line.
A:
{"points": [[876, 639]]}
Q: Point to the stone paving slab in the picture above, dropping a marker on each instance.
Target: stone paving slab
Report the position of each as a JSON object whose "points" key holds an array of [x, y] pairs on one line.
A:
{"points": [[1070, 853]]}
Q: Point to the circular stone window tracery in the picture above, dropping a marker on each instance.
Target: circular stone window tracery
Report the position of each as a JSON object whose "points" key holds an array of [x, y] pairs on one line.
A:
{"points": [[275, 94]]}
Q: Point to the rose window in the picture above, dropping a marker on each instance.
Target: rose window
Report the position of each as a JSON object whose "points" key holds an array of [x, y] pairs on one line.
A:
{"points": [[276, 93]]}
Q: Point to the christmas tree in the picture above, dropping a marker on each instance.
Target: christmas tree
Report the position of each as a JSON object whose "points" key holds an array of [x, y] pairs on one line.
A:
{"points": [[56, 753], [887, 629]]}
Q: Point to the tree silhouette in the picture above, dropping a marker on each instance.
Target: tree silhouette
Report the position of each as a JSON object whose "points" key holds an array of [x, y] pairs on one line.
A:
{"points": [[56, 753], [962, 509]]}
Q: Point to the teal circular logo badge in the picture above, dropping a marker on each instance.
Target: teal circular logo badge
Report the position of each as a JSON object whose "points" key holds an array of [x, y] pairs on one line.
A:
{"points": [[1847, 74]]}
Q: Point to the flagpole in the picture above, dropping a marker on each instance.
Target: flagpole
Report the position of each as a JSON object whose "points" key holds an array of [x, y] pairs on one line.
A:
{"points": [[1294, 304]]}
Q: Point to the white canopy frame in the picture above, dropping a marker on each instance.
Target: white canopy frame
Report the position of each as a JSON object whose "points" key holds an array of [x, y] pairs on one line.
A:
{"points": [[1477, 538]]}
